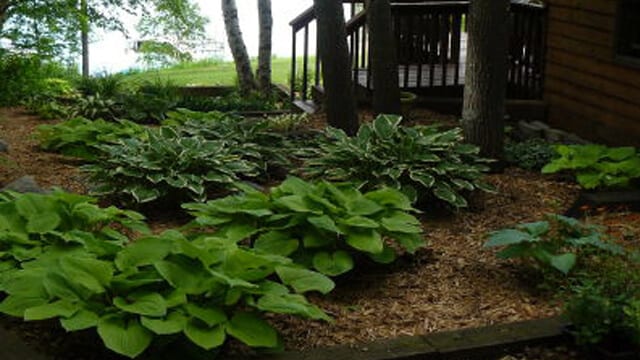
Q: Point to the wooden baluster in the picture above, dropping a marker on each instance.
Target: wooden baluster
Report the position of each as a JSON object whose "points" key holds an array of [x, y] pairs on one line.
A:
{"points": [[305, 64], [293, 66], [456, 38]]}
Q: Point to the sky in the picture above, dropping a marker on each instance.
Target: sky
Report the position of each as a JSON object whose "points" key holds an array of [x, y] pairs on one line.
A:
{"points": [[110, 52]]}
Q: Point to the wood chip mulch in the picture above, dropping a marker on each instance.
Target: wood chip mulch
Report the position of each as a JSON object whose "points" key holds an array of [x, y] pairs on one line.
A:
{"points": [[454, 283]]}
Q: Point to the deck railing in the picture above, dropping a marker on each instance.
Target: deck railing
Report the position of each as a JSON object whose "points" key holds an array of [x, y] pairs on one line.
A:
{"points": [[431, 45]]}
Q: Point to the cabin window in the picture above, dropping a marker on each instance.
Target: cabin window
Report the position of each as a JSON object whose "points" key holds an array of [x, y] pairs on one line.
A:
{"points": [[628, 32]]}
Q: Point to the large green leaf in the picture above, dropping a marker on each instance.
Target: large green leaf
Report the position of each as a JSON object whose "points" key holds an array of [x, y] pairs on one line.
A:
{"points": [[333, 264], [142, 303], [361, 221], [174, 323], [92, 274], [210, 315], [184, 275], [410, 242], [390, 197], [204, 336], [60, 308], [564, 263], [16, 305], [294, 304], [145, 251], [324, 222], [276, 242], [252, 330], [400, 222], [127, 338], [303, 280], [42, 223], [509, 237], [81, 320], [365, 240]]}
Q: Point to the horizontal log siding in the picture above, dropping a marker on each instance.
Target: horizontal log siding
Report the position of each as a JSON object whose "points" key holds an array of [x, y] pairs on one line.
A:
{"points": [[587, 91]]}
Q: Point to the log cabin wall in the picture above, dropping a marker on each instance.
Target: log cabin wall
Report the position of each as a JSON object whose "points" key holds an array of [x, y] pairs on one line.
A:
{"points": [[589, 92]]}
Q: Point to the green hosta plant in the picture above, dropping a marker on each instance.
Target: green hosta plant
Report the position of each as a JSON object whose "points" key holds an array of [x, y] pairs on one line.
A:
{"points": [[32, 224], [253, 139], [167, 165], [554, 243], [319, 225], [205, 290], [597, 166], [423, 161], [79, 137]]}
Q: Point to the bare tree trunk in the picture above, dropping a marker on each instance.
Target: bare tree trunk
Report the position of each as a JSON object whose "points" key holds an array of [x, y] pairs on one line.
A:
{"points": [[264, 53], [384, 58], [340, 100], [84, 37], [486, 76], [238, 49]]}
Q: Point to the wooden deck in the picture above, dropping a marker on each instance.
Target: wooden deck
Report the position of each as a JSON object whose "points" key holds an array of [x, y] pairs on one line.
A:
{"points": [[429, 75]]}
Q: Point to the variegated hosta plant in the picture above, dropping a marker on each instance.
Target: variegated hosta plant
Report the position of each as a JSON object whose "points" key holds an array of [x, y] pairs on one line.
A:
{"points": [[168, 165], [425, 162]]}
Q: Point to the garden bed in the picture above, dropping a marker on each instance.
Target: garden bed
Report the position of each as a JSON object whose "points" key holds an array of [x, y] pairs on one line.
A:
{"points": [[453, 284]]}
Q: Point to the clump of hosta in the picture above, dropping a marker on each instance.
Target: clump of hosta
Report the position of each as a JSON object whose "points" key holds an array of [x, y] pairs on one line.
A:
{"points": [[319, 225], [424, 162]]}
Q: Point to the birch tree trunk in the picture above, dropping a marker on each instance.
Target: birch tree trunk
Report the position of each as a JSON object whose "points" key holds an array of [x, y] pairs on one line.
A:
{"points": [[84, 36], [486, 76], [264, 52], [340, 100], [384, 58], [238, 49]]}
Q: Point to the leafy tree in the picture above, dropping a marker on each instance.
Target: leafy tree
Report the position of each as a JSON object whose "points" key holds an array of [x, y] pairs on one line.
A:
{"points": [[486, 76], [340, 103]]}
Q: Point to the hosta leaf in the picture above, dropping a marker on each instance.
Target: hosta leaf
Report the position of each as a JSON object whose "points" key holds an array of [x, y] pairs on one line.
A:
{"points": [[43, 222], [334, 264], [183, 275], [16, 305], [365, 240], [422, 178], [410, 242], [363, 206], [127, 338], [303, 280], [143, 194], [144, 251], [400, 222], [387, 256], [210, 315], [324, 222], [509, 237], [276, 242], [361, 221], [294, 203], [390, 197], [92, 274], [252, 330], [60, 308], [564, 263], [291, 304], [174, 323], [314, 239], [205, 337], [81, 320], [536, 228], [149, 304], [385, 125], [444, 192]]}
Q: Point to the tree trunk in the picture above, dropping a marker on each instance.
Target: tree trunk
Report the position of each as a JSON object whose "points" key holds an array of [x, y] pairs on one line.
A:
{"points": [[264, 53], [486, 76], [340, 100], [4, 12], [384, 58], [238, 49], [84, 37]]}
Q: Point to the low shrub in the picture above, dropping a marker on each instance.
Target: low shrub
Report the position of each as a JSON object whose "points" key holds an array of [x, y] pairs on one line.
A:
{"points": [[597, 166], [232, 102], [531, 154], [423, 161], [319, 225]]}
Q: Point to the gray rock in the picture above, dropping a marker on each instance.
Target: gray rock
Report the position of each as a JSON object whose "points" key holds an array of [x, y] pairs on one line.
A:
{"points": [[556, 136], [539, 124], [25, 184], [528, 131], [4, 147]]}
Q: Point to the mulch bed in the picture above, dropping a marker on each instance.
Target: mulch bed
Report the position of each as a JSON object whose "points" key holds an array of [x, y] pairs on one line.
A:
{"points": [[454, 283]]}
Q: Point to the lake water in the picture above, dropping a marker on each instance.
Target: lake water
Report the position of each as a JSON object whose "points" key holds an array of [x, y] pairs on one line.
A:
{"points": [[112, 52]]}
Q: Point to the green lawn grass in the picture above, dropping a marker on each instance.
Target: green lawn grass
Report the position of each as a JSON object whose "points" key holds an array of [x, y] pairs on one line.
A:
{"points": [[210, 73]]}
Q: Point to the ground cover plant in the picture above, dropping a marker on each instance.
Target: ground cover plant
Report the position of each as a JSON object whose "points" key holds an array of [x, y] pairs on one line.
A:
{"points": [[204, 288], [530, 154], [165, 165], [320, 225], [425, 162], [597, 166], [80, 137]]}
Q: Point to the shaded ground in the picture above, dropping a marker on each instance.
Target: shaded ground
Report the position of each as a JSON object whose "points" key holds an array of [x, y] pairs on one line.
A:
{"points": [[453, 284]]}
